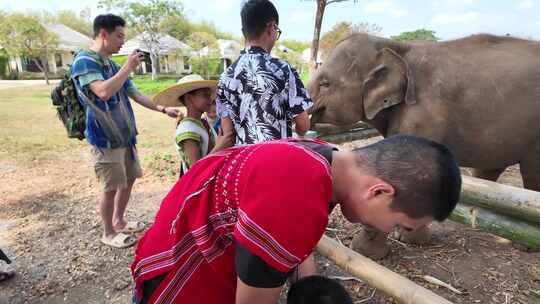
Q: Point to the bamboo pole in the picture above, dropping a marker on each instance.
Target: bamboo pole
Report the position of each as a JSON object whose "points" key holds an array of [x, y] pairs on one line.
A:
{"points": [[517, 202], [517, 230], [330, 129], [507, 211], [400, 288], [350, 136]]}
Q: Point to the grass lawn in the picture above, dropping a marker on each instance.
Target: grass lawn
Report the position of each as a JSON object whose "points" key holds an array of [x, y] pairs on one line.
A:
{"points": [[29, 128], [30, 132], [149, 87]]}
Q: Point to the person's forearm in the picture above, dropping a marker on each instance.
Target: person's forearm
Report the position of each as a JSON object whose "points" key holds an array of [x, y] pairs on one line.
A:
{"points": [[301, 124], [306, 268], [227, 127], [107, 88], [222, 146], [192, 150], [247, 295], [193, 158], [216, 148], [145, 101], [301, 130]]}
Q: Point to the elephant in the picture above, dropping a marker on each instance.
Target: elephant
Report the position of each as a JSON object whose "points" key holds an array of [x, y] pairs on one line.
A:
{"points": [[478, 95]]}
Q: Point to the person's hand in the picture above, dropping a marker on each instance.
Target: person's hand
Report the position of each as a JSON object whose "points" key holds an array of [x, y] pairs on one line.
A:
{"points": [[134, 59], [224, 141], [174, 113]]}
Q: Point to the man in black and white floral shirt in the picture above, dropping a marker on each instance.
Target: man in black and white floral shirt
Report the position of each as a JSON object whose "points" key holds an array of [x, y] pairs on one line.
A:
{"points": [[259, 97]]}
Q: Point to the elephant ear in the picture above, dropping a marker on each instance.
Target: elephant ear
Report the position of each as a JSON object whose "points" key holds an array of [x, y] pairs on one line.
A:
{"points": [[388, 84]]}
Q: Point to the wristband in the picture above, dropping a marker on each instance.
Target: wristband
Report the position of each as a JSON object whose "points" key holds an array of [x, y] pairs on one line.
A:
{"points": [[163, 110]]}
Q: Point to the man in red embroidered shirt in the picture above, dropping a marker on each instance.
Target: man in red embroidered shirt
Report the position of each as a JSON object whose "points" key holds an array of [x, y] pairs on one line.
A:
{"points": [[242, 220]]}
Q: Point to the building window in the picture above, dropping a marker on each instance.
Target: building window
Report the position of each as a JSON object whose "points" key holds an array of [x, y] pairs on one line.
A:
{"points": [[25, 60], [29, 65], [162, 62], [58, 60], [186, 62]]}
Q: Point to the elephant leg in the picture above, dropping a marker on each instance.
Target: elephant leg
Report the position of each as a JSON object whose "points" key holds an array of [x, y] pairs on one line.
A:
{"points": [[530, 170], [420, 236], [423, 235], [491, 175], [371, 243]]}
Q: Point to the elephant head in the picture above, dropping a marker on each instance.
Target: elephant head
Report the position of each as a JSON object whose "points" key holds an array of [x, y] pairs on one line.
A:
{"points": [[362, 76]]}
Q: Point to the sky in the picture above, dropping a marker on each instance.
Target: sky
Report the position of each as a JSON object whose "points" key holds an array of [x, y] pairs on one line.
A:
{"points": [[448, 18]]}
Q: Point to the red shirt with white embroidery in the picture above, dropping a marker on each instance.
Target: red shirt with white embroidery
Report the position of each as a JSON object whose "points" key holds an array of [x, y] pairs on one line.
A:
{"points": [[272, 198]]}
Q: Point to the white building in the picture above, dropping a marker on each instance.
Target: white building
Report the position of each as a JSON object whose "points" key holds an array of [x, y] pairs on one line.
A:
{"points": [[228, 51], [173, 56], [69, 43]]}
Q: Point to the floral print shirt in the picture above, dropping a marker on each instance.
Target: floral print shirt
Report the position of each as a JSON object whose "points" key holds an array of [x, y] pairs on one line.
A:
{"points": [[261, 95]]}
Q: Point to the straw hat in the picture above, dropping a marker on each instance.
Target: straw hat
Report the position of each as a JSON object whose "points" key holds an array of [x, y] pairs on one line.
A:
{"points": [[170, 96]]}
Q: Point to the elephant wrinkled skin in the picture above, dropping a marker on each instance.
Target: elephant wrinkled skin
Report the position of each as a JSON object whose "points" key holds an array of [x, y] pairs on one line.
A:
{"points": [[478, 95]]}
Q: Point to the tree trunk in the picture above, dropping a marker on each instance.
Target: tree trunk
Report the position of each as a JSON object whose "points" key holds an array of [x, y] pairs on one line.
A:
{"points": [[321, 5], [504, 199], [206, 68], [398, 287], [43, 69], [154, 61], [517, 230]]}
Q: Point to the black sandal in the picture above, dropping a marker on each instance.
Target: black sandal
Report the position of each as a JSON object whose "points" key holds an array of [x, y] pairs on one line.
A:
{"points": [[4, 276], [6, 271]]}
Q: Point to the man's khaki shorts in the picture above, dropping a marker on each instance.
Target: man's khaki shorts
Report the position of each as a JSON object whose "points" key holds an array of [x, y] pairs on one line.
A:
{"points": [[115, 168]]}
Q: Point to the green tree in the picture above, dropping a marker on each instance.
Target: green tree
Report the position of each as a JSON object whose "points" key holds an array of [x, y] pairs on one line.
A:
{"points": [[23, 35], [293, 57], [112, 5], [209, 27], [4, 59], [80, 22], [178, 26], [421, 34], [295, 45], [199, 41], [148, 17], [343, 30]]}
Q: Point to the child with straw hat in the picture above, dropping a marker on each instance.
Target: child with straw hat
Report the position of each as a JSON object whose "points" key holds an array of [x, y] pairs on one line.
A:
{"points": [[194, 138]]}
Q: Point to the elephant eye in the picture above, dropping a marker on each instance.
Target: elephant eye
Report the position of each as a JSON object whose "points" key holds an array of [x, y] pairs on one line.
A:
{"points": [[324, 83]]}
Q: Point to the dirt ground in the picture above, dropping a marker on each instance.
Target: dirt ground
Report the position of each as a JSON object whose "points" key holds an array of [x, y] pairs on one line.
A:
{"points": [[8, 84], [49, 226]]}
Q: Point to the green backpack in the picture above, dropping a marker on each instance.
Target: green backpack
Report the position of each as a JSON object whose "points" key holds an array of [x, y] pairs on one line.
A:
{"points": [[69, 110]]}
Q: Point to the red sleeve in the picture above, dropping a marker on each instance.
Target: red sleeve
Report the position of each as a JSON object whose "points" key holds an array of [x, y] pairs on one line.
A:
{"points": [[284, 204]]}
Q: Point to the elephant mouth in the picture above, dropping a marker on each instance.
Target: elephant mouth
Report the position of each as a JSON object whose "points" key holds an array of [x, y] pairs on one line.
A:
{"points": [[316, 115], [323, 127]]}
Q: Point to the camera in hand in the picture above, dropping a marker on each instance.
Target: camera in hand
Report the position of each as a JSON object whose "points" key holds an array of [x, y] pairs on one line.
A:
{"points": [[140, 54]]}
